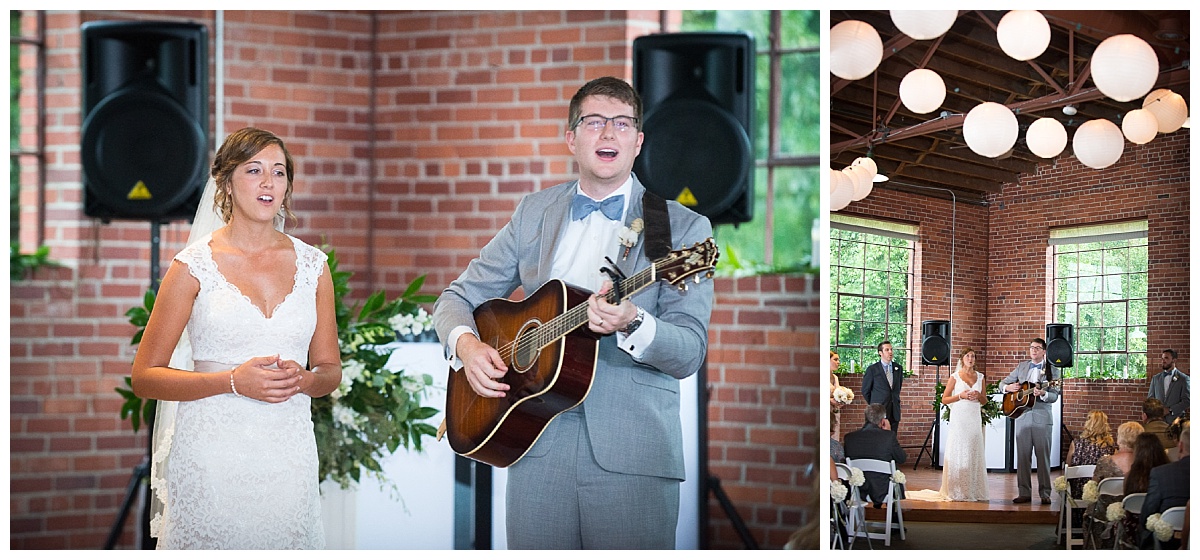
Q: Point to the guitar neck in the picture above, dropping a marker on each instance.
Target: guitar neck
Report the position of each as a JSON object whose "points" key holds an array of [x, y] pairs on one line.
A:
{"points": [[577, 316]]}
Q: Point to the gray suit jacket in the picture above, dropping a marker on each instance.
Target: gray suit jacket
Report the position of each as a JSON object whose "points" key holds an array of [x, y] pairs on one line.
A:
{"points": [[1040, 413], [632, 411], [1178, 397]]}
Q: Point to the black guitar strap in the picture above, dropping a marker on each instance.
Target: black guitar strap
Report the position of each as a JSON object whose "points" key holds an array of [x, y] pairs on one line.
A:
{"points": [[658, 226]]}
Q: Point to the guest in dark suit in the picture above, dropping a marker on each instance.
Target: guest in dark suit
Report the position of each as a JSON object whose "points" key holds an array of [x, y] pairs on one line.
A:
{"points": [[1153, 412], [875, 440], [882, 382], [1169, 487], [1034, 426], [1172, 387]]}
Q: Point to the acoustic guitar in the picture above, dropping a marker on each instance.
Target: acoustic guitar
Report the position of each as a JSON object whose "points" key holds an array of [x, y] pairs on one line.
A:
{"points": [[551, 356], [1017, 402]]}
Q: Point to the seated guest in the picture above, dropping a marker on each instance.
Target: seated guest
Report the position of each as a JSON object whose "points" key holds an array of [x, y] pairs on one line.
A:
{"points": [[1153, 412], [1095, 442], [1169, 487], [875, 440], [1147, 454], [1119, 462]]}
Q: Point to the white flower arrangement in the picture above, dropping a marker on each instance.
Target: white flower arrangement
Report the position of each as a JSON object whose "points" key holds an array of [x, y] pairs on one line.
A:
{"points": [[1162, 530], [1060, 484], [1115, 512], [899, 477], [629, 236], [843, 394], [406, 324], [1091, 491], [837, 490], [856, 477]]}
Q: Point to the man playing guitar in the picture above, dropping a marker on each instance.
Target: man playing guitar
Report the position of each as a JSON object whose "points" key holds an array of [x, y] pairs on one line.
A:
{"points": [[1034, 426]]}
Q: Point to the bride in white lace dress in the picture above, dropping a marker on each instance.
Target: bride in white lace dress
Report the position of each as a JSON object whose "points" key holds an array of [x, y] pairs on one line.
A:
{"points": [[964, 468], [235, 458]]}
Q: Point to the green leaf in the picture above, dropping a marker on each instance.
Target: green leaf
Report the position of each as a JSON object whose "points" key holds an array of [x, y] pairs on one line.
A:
{"points": [[413, 287]]}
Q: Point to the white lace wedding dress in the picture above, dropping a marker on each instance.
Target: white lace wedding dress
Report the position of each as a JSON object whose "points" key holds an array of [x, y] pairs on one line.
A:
{"points": [[243, 473], [964, 467]]}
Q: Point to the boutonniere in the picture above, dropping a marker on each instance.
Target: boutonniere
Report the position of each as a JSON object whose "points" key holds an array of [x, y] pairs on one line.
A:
{"points": [[629, 236]]}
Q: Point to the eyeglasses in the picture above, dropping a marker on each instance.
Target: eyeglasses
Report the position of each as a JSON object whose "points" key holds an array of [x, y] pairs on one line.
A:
{"points": [[1035, 347], [596, 123]]}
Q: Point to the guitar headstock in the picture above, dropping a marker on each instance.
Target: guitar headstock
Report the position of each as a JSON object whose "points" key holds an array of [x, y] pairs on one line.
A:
{"points": [[681, 264]]}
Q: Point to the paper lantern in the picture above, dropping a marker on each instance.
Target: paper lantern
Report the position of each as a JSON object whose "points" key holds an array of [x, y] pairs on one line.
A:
{"points": [[1046, 137], [990, 129], [1168, 107], [924, 24], [1124, 67], [1098, 143], [1139, 126], [862, 181], [1023, 34], [855, 50], [868, 164], [922, 91], [841, 190]]}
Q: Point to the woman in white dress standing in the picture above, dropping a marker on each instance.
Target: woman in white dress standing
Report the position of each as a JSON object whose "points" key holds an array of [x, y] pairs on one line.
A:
{"points": [[964, 469], [235, 459]]}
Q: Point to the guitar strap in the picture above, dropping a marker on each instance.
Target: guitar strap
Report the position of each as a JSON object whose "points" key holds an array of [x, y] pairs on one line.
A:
{"points": [[658, 226]]}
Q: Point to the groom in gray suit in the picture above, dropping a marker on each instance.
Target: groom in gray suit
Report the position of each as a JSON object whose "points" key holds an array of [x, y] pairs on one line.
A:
{"points": [[1034, 426], [605, 474]]}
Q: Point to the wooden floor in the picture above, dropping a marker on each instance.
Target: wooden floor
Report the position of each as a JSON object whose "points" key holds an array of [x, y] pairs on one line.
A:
{"points": [[1002, 488]]}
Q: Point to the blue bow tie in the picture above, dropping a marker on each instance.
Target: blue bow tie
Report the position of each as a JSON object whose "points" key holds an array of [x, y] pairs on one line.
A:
{"points": [[1037, 365], [611, 207]]}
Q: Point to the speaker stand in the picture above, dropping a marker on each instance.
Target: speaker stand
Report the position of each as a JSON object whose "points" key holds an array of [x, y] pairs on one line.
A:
{"points": [[139, 481], [932, 424]]}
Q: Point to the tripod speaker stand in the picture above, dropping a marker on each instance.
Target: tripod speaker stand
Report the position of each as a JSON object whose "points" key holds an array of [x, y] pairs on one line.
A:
{"points": [[932, 424]]}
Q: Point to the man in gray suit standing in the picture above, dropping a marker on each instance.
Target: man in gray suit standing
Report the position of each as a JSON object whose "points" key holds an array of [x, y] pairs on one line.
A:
{"points": [[1034, 426], [605, 474], [1171, 386]]}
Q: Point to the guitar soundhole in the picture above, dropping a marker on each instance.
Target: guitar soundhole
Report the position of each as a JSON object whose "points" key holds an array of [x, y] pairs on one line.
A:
{"points": [[525, 347]]}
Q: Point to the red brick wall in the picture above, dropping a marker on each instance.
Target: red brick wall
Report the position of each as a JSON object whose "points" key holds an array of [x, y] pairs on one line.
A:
{"points": [[1001, 281], [763, 369], [409, 175]]}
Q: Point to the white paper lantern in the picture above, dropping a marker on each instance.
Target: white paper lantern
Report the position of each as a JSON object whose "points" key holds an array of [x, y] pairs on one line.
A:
{"points": [[1139, 126], [862, 181], [924, 24], [841, 190], [922, 91], [1023, 34], [1124, 67], [1098, 143], [855, 50], [1046, 137], [1168, 107], [868, 164], [990, 129]]}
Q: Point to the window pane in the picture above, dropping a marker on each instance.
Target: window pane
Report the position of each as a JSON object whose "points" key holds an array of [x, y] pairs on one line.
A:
{"points": [[797, 206], [1137, 365], [876, 283], [899, 312], [1089, 340], [877, 256], [1089, 315], [875, 309], [1137, 312], [1114, 339], [1114, 314], [1066, 265], [800, 118]]}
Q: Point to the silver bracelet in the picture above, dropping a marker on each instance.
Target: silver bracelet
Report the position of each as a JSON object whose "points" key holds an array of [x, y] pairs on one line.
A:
{"points": [[232, 386]]}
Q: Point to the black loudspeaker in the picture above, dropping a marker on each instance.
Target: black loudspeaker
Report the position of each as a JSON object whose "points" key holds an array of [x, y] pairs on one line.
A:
{"points": [[935, 343], [697, 93], [1060, 344], [144, 141]]}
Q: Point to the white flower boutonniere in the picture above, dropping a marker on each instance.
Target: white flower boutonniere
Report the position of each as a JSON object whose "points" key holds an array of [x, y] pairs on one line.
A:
{"points": [[629, 236]]}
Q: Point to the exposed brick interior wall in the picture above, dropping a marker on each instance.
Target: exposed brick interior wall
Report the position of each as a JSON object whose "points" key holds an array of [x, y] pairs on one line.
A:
{"points": [[1001, 283], [406, 174]]}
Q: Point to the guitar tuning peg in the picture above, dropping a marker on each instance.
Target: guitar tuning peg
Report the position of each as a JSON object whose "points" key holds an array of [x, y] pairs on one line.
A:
{"points": [[696, 279]]}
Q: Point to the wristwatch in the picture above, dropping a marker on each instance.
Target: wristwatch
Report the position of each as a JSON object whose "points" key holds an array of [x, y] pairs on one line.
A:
{"points": [[635, 323]]}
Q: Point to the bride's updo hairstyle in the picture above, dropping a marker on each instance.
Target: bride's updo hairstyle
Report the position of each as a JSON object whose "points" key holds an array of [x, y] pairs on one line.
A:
{"points": [[238, 148]]}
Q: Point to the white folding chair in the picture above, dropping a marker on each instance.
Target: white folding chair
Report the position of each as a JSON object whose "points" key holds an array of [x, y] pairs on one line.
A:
{"points": [[1068, 506], [857, 516], [1174, 516], [1132, 504], [1111, 486], [894, 495]]}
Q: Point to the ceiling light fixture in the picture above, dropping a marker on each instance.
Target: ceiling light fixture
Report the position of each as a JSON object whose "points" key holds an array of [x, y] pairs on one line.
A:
{"points": [[1070, 110]]}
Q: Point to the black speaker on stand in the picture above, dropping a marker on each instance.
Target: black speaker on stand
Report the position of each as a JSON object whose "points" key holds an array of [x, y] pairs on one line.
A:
{"points": [[144, 151], [697, 93], [1060, 344], [144, 141], [935, 351]]}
